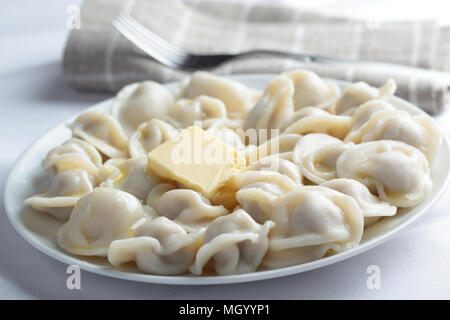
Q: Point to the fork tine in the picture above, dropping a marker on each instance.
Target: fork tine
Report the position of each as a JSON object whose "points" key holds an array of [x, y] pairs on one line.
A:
{"points": [[152, 36], [145, 43], [138, 32], [131, 34]]}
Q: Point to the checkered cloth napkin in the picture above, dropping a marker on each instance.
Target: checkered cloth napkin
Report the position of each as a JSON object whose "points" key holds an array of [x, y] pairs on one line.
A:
{"points": [[416, 54]]}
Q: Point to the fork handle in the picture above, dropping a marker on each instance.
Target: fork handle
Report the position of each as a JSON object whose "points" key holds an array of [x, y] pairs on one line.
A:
{"points": [[298, 56], [213, 60], [206, 61]]}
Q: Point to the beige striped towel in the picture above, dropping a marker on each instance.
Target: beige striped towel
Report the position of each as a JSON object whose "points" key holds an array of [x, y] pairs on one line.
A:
{"points": [[415, 54]]}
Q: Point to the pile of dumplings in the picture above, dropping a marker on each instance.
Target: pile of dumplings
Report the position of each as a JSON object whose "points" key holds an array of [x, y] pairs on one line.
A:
{"points": [[340, 161]]}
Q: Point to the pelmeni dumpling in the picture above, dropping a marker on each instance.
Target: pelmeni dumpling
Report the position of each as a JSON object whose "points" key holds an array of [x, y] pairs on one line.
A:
{"points": [[274, 182], [187, 207], [259, 196], [73, 154], [279, 145], [311, 222], [130, 175], [238, 98], [102, 131], [186, 111], [360, 92], [228, 136], [300, 114], [221, 123], [100, 217], [278, 164], [275, 105], [320, 165], [159, 246], [140, 102], [149, 135], [316, 156], [65, 189], [157, 191], [355, 135], [320, 122], [363, 113], [418, 131], [311, 143], [259, 200], [371, 206], [232, 244], [396, 171], [311, 90]]}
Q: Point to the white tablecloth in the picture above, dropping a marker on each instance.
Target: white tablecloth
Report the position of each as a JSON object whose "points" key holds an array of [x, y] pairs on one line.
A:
{"points": [[34, 98]]}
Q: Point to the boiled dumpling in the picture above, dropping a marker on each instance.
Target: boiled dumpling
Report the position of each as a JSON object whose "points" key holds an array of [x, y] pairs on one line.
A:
{"points": [[65, 189], [149, 135], [140, 102], [319, 122], [275, 105], [360, 92], [227, 130], [258, 195], [100, 217], [316, 156], [396, 171], [187, 207], [227, 135], [274, 182], [300, 114], [320, 165], [221, 123], [102, 131], [237, 98], [156, 193], [186, 112], [310, 143], [279, 145], [232, 244], [311, 90], [259, 200], [158, 246], [73, 154], [370, 205], [417, 131], [363, 113], [311, 222], [130, 175], [278, 164]]}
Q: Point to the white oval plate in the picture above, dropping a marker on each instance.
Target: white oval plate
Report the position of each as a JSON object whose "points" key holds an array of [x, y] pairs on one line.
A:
{"points": [[39, 229]]}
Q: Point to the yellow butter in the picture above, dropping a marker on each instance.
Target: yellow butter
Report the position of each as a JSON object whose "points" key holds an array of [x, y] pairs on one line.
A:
{"points": [[197, 160]]}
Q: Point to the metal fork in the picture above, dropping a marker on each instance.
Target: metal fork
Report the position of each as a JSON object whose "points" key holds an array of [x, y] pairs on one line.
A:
{"points": [[178, 58]]}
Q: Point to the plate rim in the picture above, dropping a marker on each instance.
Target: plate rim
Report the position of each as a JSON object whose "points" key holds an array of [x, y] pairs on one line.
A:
{"points": [[209, 280]]}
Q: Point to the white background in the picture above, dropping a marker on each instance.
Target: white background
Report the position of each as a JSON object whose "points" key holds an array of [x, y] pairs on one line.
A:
{"points": [[34, 98]]}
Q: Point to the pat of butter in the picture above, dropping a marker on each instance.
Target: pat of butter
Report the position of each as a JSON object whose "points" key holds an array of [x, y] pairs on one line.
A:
{"points": [[197, 160]]}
